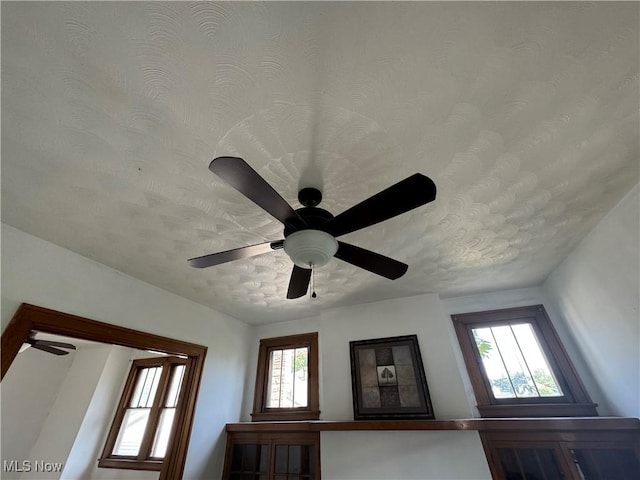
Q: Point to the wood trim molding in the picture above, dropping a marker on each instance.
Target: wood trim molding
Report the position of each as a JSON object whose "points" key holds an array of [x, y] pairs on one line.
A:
{"points": [[144, 461], [538, 410], [312, 411], [33, 318], [287, 414], [575, 400], [477, 424]]}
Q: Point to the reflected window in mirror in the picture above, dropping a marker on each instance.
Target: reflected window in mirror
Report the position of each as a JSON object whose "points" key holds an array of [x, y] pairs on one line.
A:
{"points": [[140, 431]]}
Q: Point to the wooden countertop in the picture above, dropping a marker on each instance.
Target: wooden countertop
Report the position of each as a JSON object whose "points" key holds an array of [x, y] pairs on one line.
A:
{"points": [[478, 424]]}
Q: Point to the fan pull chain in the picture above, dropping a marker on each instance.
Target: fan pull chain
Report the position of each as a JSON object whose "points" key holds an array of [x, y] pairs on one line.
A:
{"points": [[313, 281]]}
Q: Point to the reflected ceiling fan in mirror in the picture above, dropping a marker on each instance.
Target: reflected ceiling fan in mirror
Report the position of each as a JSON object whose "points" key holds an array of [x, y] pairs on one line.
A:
{"points": [[310, 232], [48, 346]]}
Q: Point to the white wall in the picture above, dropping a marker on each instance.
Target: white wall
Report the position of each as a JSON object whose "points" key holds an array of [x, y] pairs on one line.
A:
{"points": [[596, 290], [441, 455], [28, 393], [38, 272], [67, 413], [385, 455], [92, 433]]}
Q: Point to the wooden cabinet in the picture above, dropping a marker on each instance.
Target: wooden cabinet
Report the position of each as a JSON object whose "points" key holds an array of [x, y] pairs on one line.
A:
{"points": [[600, 462], [592, 448], [272, 456], [528, 462], [602, 455]]}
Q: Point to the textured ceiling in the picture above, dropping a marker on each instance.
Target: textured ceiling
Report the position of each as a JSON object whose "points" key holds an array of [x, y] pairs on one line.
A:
{"points": [[524, 114]]}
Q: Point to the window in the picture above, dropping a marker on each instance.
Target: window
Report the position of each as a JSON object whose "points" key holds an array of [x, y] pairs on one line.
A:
{"points": [[140, 432], [287, 379], [518, 366]]}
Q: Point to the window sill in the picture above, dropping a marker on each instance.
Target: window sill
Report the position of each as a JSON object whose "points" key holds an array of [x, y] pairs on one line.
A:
{"points": [[154, 465], [291, 415], [539, 410], [477, 424]]}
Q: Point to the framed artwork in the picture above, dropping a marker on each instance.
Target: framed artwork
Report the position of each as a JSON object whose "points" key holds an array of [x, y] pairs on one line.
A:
{"points": [[388, 380]]}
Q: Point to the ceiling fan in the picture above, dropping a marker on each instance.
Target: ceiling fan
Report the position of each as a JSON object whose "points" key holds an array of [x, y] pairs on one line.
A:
{"points": [[48, 346], [310, 232]]}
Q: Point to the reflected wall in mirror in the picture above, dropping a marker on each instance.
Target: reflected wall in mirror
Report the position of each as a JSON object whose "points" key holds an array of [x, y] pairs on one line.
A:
{"points": [[83, 381]]}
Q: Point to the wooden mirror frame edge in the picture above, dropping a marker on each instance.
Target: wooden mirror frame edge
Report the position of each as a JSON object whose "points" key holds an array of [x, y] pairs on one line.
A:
{"points": [[30, 317]]}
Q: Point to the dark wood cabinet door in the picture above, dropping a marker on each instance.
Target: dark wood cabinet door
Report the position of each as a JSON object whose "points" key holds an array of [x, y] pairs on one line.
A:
{"points": [[294, 462], [272, 456], [605, 463], [249, 461], [529, 463], [570, 455]]}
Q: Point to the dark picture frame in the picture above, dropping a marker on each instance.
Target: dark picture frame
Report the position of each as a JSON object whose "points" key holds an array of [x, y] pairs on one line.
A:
{"points": [[388, 380]]}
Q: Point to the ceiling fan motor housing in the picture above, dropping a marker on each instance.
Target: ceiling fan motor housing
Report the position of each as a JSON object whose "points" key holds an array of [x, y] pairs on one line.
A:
{"points": [[309, 196], [310, 247]]}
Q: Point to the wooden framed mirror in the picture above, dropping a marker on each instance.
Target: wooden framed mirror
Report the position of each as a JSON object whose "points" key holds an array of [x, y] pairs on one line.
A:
{"points": [[29, 318]]}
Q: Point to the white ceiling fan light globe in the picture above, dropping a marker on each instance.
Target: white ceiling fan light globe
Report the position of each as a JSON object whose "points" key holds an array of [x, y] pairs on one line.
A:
{"points": [[310, 247]]}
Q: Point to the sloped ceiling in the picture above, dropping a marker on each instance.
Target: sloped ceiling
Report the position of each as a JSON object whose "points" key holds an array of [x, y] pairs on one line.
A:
{"points": [[524, 114]]}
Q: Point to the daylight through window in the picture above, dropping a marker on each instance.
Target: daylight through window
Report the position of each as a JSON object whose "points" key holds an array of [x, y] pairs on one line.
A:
{"points": [[287, 378], [517, 365], [514, 362], [140, 432], [137, 413]]}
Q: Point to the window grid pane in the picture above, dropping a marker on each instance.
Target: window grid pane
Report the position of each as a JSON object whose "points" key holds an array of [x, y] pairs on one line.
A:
{"points": [[146, 386], [493, 363], [146, 390], [514, 362], [131, 432], [519, 376], [174, 388], [161, 439], [288, 378], [301, 376], [137, 391], [274, 388], [545, 380]]}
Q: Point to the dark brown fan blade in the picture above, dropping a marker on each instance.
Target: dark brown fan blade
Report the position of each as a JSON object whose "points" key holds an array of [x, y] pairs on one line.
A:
{"points": [[299, 283], [237, 173], [405, 195], [235, 254], [47, 349], [371, 261], [49, 343]]}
